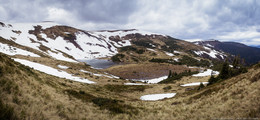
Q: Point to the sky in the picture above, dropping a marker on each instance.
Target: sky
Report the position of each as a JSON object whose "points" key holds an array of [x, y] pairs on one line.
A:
{"points": [[224, 20]]}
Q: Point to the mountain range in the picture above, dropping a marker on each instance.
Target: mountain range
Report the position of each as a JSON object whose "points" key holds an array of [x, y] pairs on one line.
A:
{"points": [[250, 54], [152, 76], [70, 44]]}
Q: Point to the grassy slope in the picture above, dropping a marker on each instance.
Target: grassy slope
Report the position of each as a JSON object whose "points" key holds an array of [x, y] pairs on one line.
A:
{"points": [[34, 95]]}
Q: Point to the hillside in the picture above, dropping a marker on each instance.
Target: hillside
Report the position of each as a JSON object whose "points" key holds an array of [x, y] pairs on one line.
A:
{"points": [[70, 44], [153, 76], [250, 54], [51, 42], [29, 94]]}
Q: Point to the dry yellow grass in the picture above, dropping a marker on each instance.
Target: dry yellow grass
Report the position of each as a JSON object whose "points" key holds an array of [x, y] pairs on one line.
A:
{"points": [[41, 96], [145, 70]]}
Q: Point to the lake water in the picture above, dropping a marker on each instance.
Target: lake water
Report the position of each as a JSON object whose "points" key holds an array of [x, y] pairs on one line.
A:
{"points": [[99, 63]]}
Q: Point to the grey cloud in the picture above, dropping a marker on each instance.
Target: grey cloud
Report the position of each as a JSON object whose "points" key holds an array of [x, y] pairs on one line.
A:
{"points": [[183, 19], [98, 11]]}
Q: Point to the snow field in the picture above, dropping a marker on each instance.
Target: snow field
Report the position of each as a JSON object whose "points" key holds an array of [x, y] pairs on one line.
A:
{"points": [[208, 72], [52, 71], [194, 84], [10, 50], [154, 97]]}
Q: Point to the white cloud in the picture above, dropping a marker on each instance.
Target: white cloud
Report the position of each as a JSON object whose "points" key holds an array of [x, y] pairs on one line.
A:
{"points": [[59, 14], [171, 17], [183, 19]]}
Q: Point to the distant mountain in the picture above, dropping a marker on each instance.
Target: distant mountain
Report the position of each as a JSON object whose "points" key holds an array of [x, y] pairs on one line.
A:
{"points": [[250, 54], [258, 46], [70, 44]]}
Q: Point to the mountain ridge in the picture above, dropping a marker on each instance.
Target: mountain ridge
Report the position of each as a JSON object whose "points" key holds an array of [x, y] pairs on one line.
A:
{"points": [[58, 40], [250, 54]]}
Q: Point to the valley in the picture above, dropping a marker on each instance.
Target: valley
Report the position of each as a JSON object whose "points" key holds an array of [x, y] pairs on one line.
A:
{"points": [[52, 71]]}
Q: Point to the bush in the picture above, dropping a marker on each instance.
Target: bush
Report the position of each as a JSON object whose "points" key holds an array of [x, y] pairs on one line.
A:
{"points": [[176, 76], [212, 80], [7, 112], [167, 88], [124, 88], [131, 48], [255, 78], [201, 86], [228, 72], [144, 43], [185, 60], [117, 57], [113, 106], [158, 60], [190, 61]]}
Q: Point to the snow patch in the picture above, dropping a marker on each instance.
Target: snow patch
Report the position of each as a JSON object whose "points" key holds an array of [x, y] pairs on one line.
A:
{"points": [[63, 67], [169, 54], [151, 49], [100, 75], [10, 50], [134, 84], [208, 72], [194, 84], [52, 71], [59, 56], [154, 97], [176, 59], [153, 81], [212, 53], [178, 52]]}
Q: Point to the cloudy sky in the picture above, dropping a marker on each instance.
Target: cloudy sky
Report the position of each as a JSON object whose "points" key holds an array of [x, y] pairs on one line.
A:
{"points": [[225, 20]]}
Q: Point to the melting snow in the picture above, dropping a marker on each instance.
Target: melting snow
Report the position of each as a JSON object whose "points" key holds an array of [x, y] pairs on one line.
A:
{"points": [[176, 52], [154, 97], [194, 84], [206, 73], [134, 84], [209, 45], [63, 67], [59, 56], [95, 74], [152, 81], [176, 59], [212, 53], [52, 71], [10, 50], [151, 49], [169, 54], [193, 67]]}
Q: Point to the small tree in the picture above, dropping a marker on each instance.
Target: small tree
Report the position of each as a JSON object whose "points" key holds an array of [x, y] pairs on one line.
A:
{"points": [[201, 86], [224, 73], [170, 74]]}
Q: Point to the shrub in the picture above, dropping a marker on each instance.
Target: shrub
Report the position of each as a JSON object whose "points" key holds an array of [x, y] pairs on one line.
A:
{"points": [[7, 112], [113, 105], [212, 80], [201, 86], [255, 78], [144, 43], [124, 88], [176, 76], [190, 61], [167, 88], [117, 57]]}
